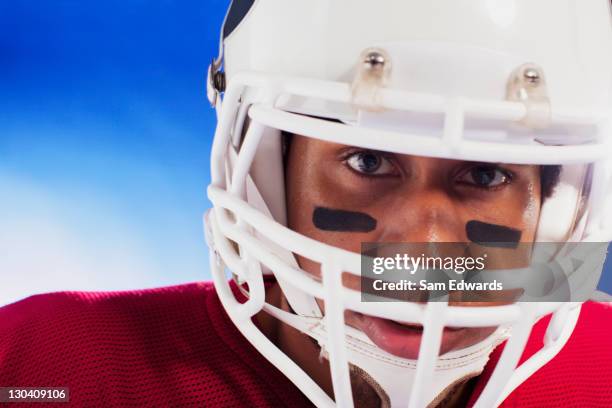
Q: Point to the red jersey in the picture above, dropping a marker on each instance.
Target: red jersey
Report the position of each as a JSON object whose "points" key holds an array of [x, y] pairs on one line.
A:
{"points": [[177, 347], [168, 347], [579, 376]]}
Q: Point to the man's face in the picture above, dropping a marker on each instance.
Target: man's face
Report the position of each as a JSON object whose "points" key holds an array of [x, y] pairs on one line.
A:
{"points": [[343, 196]]}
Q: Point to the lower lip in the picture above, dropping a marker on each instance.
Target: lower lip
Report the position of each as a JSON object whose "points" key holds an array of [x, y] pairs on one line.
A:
{"points": [[401, 340]]}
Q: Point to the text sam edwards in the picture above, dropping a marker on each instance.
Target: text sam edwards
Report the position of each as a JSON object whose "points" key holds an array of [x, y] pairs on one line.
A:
{"points": [[451, 285]]}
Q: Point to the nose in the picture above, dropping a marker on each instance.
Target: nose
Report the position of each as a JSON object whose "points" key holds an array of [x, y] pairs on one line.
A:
{"points": [[426, 214]]}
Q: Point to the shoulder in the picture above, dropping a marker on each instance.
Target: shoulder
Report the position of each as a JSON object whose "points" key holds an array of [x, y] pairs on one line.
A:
{"points": [[580, 374], [53, 303], [108, 347], [52, 317], [171, 346], [68, 332]]}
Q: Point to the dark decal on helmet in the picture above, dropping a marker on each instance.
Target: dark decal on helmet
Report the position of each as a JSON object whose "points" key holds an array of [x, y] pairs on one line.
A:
{"points": [[237, 11]]}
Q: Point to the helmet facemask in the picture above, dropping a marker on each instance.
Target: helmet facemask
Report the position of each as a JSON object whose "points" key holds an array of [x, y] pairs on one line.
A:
{"points": [[455, 120]]}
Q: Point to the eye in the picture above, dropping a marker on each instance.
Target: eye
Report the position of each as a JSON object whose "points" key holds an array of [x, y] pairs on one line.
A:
{"points": [[371, 163], [485, 176]]}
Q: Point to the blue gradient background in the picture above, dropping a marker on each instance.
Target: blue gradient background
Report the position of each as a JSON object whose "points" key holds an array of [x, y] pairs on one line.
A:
{"points": [[105, 133]]}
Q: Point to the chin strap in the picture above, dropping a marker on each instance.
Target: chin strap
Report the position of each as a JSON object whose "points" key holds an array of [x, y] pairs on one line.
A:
{"points": [[391, 376]]}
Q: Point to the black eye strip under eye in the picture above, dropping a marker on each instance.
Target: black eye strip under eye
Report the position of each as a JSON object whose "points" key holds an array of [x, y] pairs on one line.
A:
{"points": [[492, 235], [328, 219]]}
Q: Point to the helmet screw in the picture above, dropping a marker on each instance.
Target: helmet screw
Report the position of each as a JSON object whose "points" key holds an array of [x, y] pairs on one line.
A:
{"points": [[532, 76], [372, 73], [374, 60], [219, 81], [527, 84]]}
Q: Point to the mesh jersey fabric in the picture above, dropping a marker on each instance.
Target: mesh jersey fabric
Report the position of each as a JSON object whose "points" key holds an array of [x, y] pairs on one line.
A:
{"points": [[579, 376], [168, 347], [177, 347]]}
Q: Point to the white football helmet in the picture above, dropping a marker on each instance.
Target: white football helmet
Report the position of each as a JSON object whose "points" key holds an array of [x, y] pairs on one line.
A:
{"points": [[510, 81]]}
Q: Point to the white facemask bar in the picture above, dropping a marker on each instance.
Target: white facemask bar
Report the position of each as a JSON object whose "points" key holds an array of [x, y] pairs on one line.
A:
{"points": [[435, 316], [450, 145], [344, 261]]}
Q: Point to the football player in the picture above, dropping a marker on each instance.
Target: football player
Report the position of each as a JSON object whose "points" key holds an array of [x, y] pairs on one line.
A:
{"points": [[343, 124]]}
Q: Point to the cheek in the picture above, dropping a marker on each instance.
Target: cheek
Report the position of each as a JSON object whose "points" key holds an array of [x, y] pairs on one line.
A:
{"points": [[517, 207], [338, 228], [326, 216], [323, 209]]}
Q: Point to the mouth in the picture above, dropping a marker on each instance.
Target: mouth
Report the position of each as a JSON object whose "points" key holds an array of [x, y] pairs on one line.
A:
{"points": [[402, 339]]}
